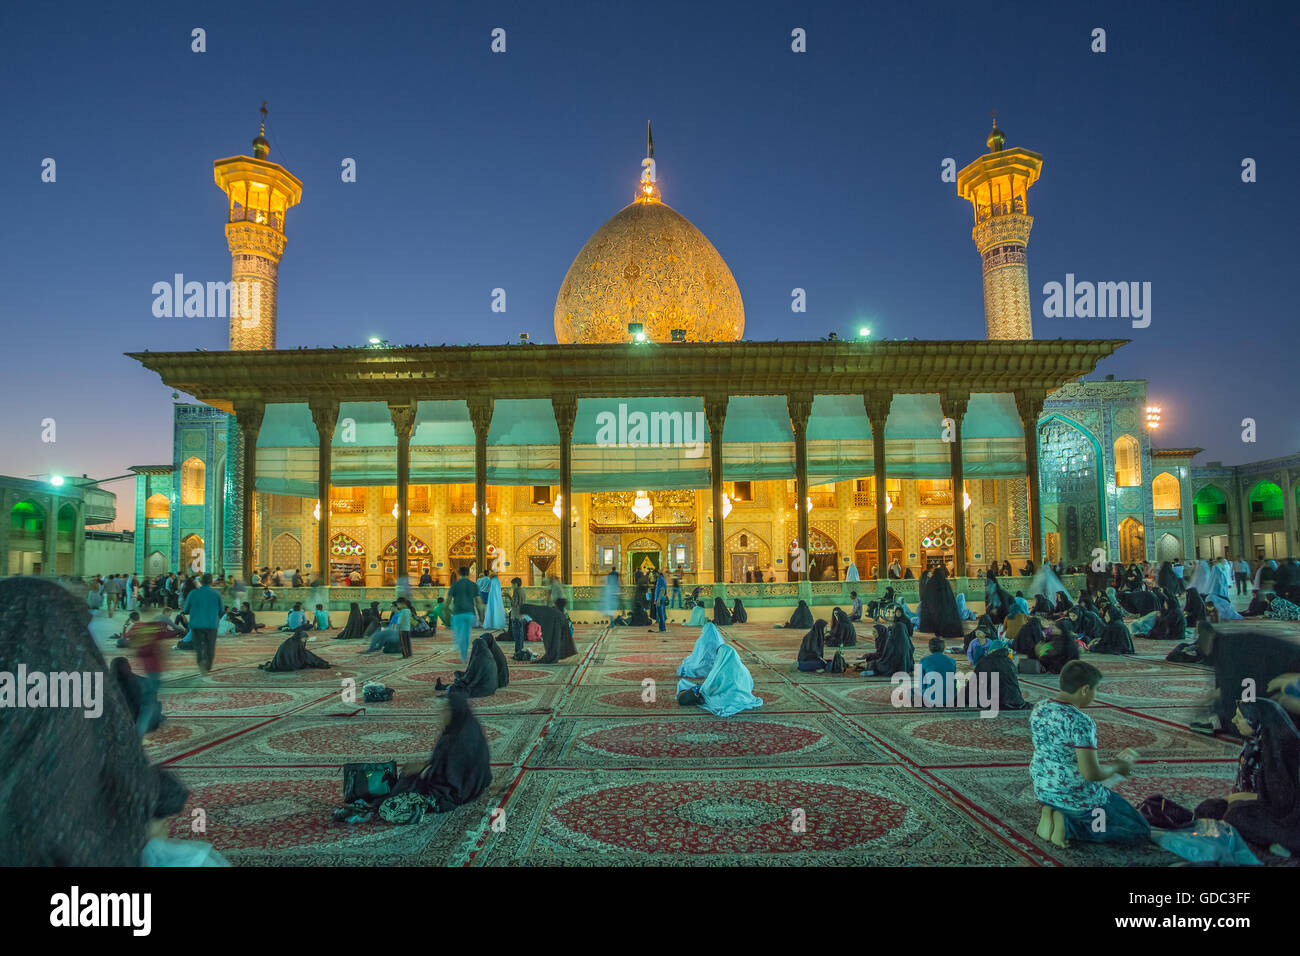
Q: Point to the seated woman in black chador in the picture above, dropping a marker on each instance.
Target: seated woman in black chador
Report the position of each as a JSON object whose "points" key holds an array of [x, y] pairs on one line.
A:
{"points": [[1170, 624], [812, 649], [458, 771], [485, 672], [355, 627], [738, 615], [1085, 621], [1029, 636], [1115, 637], [557, 630], [1169, 582], [896, 655], [1042, 606], [938, 608], [1054, 654], [1265, 803], [1133, 578], [842, 632], [801, 619], [998, 662], [292, 655], [1063, 603], [998, 602], [640, 609], [1194, 609], [720, 613]]}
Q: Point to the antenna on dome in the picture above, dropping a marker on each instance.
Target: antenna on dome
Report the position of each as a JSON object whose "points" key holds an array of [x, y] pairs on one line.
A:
{"points": [[648, 191]]}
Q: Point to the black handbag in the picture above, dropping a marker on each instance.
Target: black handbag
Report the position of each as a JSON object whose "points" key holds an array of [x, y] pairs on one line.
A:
{"points": [[366, 781]]}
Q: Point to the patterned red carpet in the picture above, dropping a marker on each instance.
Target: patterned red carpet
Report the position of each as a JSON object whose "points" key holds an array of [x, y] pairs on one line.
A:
{"points": [[594, 763]]}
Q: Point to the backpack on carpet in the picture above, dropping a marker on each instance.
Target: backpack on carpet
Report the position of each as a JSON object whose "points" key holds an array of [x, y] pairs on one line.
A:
{"points": [[377, 693], [837, 664], [533, 632], [365, 781]]}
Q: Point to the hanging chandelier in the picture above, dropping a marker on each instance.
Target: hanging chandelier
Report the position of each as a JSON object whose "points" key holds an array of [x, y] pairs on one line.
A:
{"points": [[642, 507]]}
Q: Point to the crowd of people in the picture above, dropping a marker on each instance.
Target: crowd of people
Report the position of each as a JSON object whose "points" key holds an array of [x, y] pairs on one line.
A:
{"points": [[1031, 623]]}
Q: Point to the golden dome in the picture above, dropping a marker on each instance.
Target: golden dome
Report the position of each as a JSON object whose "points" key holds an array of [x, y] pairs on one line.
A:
{"points": [[648, 264]]}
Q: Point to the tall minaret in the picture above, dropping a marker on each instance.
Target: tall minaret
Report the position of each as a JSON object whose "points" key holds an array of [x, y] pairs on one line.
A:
{"points": [[259, 192], [997, 184]]}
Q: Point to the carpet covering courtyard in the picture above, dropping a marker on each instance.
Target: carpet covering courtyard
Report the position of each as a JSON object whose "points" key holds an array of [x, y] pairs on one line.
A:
{"points": [[592, 768]]}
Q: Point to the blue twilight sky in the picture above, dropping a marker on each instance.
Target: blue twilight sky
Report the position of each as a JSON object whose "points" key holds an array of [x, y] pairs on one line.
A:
{"points": [[477, 170]]}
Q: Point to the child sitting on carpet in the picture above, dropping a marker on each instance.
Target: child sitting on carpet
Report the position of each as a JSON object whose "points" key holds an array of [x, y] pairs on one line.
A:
{"points": [[1067, 777], [322, 618]]}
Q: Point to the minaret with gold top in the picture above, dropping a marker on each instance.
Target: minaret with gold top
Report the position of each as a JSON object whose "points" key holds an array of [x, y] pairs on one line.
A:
{"points": [[259, 193], [997, 184]]}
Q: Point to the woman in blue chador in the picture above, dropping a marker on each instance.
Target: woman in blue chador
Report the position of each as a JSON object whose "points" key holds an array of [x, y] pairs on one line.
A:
{"points": [[728, 689], [700, 661], [494, 615]]}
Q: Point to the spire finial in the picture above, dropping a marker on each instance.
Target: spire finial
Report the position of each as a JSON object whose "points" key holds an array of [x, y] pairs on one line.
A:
{"points": [[262, 132], [261, 148], [648, 192], [996, 136]]}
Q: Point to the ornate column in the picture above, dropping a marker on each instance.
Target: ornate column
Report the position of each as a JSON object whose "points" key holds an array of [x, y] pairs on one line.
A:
{"points": [[1030, 406], [877, 405], [325, 413], [50, 556], [566, 411], [800, 408], [954, 407], [715, 413], [480, 416], [248, 416], [403, 416], [6, 505], [79, 542]]}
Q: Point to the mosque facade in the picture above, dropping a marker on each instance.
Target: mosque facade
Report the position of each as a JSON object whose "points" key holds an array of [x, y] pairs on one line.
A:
{"points": [[380, 462]]}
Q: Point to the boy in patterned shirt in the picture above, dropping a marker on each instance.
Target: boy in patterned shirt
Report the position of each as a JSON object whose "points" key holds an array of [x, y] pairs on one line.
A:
{"points": [[1067, 777]]}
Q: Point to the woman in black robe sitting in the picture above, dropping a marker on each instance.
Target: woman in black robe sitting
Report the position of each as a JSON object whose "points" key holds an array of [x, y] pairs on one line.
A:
{"points": [[640, 609], [1085, 621], [998, 663], [557, 633], [939, 606], [485, 672], [1133, 578], [720, 613], [1170, 624], [842, 633], [1063, 603], [998, 601], [1056, 653], [1269, 770], [812, 649], [458, 771], [1042, 606], [1194, 609], [355, 627], [738, 615], [1169, 581], [801, 619], [896, 655], [1029, 636], [292, 655], [1115, 637]]}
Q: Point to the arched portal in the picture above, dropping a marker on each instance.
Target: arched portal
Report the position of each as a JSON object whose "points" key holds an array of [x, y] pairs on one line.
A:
{"points": [[864, 553], [1132, 541], [1069, 488]]}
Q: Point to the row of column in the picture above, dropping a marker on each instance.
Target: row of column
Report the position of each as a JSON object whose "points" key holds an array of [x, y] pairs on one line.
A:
{"points": [[877, 404]]}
